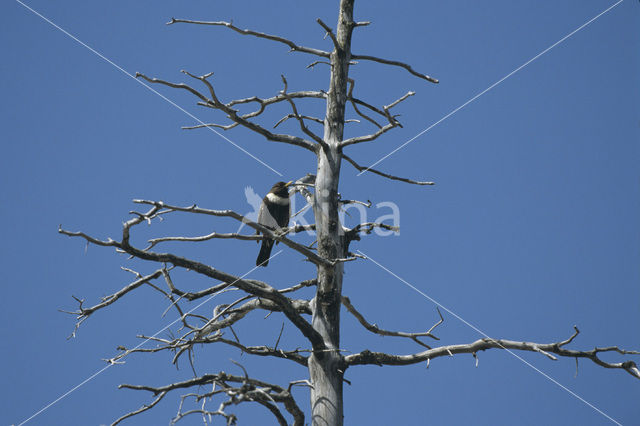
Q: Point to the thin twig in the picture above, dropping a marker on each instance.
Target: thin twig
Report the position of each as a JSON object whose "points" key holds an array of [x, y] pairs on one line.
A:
{"points": [[383, 174]]}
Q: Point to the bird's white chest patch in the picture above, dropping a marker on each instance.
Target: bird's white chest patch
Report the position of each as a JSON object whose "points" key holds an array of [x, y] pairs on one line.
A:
{"points": [[277, 200]]}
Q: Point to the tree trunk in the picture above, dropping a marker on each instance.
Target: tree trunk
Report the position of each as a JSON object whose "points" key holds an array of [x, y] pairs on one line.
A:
{"points": [[326, 369]]}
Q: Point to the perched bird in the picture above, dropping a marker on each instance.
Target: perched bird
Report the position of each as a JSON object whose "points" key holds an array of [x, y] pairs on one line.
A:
{"points": [[274, 214]]}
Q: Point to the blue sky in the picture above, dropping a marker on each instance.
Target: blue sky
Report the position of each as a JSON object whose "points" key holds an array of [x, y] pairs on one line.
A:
{"points": [[531, 228]]}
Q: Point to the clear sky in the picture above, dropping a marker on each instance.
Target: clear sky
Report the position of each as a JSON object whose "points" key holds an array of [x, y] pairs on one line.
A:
{"points": [[531, 228]]}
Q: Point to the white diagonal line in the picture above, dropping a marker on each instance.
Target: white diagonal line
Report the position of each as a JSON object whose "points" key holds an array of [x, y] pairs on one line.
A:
{"points": [[118, 67], [487, 336], [492, 86], [97, 373]]}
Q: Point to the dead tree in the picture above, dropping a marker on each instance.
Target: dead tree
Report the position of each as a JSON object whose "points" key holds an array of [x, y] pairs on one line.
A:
{"points": [[324, 360]]}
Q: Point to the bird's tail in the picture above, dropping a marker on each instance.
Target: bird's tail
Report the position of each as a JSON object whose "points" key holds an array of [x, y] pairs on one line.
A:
{"points": [[265, 253]]}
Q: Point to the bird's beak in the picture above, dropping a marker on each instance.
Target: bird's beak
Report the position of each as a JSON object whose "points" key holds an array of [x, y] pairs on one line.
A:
{"points": [[289, 183]]}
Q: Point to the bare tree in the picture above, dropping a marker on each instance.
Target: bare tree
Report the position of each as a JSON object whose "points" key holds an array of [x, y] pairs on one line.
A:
{"points": [[325, 361]]}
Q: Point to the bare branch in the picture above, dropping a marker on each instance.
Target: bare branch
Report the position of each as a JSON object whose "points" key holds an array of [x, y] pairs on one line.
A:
{"points": [[304, 117], [298, 228], [83, 313], [303, 284], [394, 63], [204, 334], [557, 348], [353, 234], [216, 235], [303, 127], [294, 47], [368, 227], [306, 383], [207, 237], [184, 344], [207, 125], [254, 287], [275, 347], [293, 355], [264, 103], [302, 94], [197, 295], [231, 419], [234, 315], [214, 325], [274, 410], [282, 120], [397, 101], [366, 204], [249, 389], [258, 227], [301, 185], [392, 124], [329, 33], [314, 63], [232, 114], [215, 103], [355, 102], [386, 175], [108, 243], [370, 137], [375, 329], [141, 409], [350, 258]]}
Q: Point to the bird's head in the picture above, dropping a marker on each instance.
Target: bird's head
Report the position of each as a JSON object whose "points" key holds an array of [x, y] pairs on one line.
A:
{"points": [[280, 188]]}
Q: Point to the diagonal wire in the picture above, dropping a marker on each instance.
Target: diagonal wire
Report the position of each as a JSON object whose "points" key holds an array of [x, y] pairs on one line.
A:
{"points": [[97, 373], [491, 87], [119, 68], [426, 296]]}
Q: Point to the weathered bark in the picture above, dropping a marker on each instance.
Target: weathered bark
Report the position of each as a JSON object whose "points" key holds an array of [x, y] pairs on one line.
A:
{"points": [[326, 369]]}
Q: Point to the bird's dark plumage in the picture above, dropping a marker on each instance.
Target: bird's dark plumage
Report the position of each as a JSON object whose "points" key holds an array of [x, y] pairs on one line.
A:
{"points": [[274, 214]]}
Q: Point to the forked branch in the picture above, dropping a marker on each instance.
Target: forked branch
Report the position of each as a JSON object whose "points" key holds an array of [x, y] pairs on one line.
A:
{"points": [[548, 349], [213, 102], [83, 313], [238, 389], [303, 126], [377, 330], [392, 124], [219, 322], [263, 103], [225, 315], [252, 287]]}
